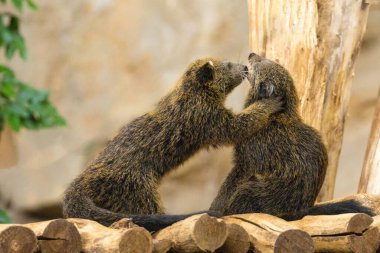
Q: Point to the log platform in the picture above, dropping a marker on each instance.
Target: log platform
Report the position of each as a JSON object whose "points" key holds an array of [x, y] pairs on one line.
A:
{"points": [[199, 233]]}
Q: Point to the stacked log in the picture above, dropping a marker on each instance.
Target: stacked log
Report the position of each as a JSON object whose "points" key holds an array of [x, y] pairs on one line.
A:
{"points": [[341, 233], [15, 238], [200, 233], [271, 234], [98, 238]]}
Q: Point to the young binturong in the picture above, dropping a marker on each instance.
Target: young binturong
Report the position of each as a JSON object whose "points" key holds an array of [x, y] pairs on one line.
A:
{"points": [[122, 181], [280, 169]]}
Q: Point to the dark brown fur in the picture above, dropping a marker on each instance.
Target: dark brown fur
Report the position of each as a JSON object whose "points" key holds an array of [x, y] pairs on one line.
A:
{"points": [[280, 169], [123, 180]]}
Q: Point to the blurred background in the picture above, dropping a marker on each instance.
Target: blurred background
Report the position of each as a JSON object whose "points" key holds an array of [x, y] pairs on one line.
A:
{"points": [[106, 62]]}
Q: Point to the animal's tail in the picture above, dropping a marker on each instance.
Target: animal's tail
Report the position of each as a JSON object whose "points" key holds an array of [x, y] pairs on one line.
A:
{"points": [[344, 206], [79, 206]]}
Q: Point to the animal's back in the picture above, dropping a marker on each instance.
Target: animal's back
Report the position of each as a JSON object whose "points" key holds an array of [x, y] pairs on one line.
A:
{"points": [[284, 167]]}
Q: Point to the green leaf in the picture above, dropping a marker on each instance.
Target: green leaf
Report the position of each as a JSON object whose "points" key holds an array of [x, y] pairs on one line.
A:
{"points": [[6, 70], [6, 36], [14, 24], [40, 96], [14, 122], [10, 50], [4, 218], [32, 4], [8, 90], [20, 45], [24, 106], [18, 110], [18, 4]]}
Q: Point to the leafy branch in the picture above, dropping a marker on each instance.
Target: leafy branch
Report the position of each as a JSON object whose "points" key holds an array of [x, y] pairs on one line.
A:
{"points": [[20, 104]]}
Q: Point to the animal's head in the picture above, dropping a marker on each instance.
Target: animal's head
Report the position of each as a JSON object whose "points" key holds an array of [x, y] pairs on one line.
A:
{"points": [[215, 77], [269, 79]]}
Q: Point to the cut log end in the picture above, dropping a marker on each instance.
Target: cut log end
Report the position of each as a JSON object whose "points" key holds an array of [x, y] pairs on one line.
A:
{"points": [[136, 238], [294, 240], [198, 233], [60, 236], [17, 239], [237, 240], [209, 233], [359, 222]]}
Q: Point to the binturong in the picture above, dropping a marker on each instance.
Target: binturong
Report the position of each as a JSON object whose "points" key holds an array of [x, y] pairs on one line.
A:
{"points": [[122, 181], [280, 169]]}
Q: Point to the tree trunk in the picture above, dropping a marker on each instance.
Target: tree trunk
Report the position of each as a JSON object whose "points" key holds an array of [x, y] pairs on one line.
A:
{"points": [[318, 41], [369, 181]]}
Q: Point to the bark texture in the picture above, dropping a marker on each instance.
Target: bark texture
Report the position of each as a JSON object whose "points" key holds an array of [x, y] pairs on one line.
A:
{"points": [[318, 41]]}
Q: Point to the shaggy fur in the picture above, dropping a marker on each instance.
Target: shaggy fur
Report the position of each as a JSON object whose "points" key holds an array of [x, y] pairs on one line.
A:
{"points": [[123, 180], [280, 169]]}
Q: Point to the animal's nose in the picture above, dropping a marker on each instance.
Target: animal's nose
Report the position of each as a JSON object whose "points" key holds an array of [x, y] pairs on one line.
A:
{"points": [[245, 69]]}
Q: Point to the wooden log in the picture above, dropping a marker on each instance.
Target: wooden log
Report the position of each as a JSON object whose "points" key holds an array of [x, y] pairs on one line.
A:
{"points": [[370, 178], [367, 242], [237, 240], [376, 221], [162, 246], [58, 236], [123, 223], [197, 233], [341, 233], [98, 238], [15, 238], [330, 225], [271, 234], [318, 41]]}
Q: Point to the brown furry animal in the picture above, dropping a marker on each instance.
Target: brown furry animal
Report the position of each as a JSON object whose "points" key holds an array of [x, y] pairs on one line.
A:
{"points": [[122, 182], [280, 169]]}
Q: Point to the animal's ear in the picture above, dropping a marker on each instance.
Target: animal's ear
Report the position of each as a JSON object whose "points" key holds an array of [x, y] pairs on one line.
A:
{"points": [[266, 89], [205, 73]]}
